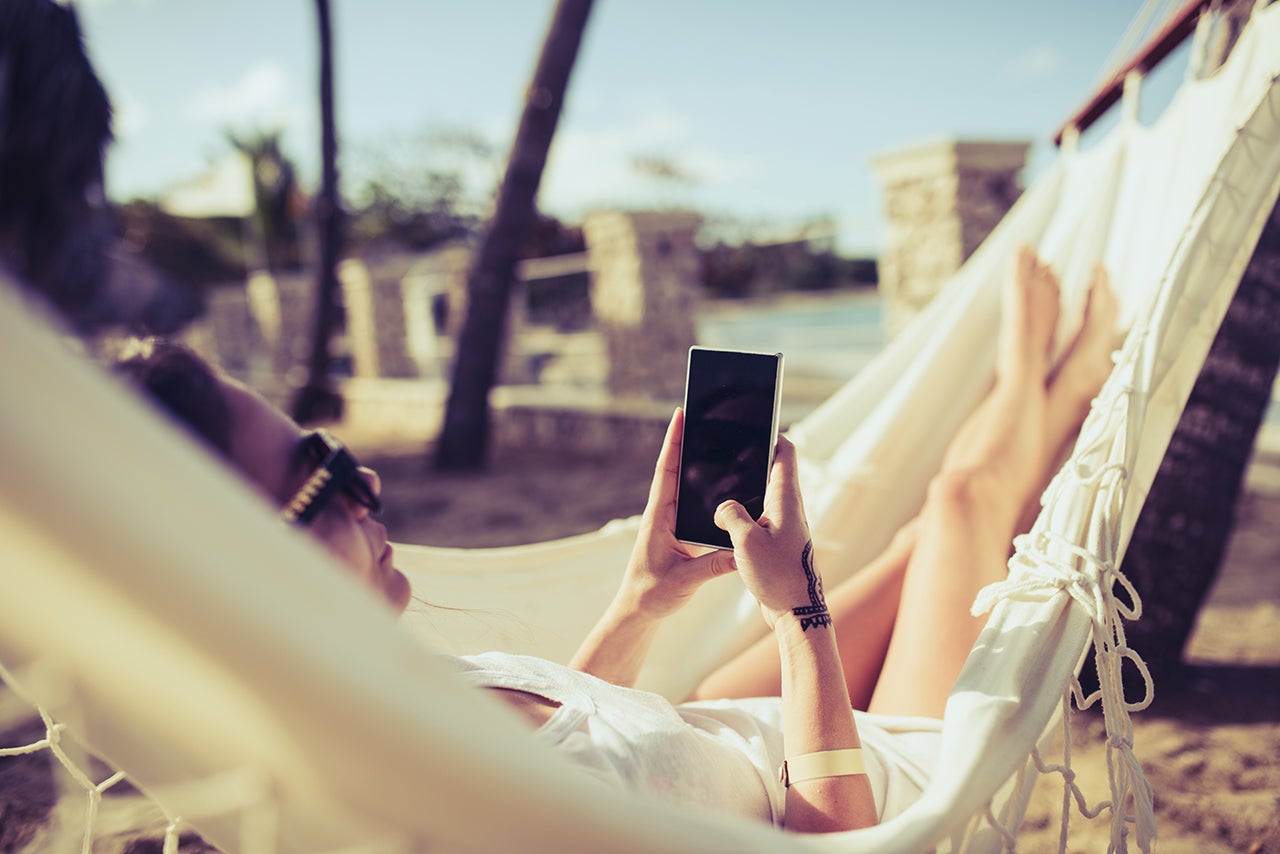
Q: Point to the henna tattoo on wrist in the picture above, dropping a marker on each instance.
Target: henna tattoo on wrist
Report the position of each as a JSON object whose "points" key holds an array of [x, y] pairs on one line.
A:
{"points": [[815, 614]]}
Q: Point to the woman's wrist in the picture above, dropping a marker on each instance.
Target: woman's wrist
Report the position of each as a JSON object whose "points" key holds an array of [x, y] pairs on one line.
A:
{"points": [[632, 604], [793, 629]]}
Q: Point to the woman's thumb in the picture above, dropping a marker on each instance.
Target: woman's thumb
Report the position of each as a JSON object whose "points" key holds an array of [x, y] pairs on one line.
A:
{"points": [[733, 518]]}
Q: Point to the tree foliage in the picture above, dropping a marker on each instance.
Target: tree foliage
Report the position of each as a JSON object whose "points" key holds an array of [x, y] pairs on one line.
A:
{"points": [[739, 270], [278, 202], [419, 190]]}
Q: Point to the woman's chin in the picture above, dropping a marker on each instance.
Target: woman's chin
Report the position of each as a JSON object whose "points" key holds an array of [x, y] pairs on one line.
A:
{"points": [[397, 590]]}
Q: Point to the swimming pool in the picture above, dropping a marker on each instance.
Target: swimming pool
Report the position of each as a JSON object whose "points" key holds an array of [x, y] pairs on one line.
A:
{"points": [[828, 335]]}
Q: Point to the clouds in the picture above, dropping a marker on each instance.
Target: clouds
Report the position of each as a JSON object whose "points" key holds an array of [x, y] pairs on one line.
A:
{"points": [[777, 121], [595, 165], [262, 97], [1035, 62]]}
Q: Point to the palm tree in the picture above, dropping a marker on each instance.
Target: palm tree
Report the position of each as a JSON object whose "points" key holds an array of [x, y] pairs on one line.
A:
{"points": [[464, 437], [273, 224], [1187, 518], [316, 399], [1186, 521]]}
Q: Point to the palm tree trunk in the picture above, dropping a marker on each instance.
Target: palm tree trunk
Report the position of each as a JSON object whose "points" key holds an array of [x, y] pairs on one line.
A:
{"points": [[1186, 521], [317, 400], [464, 438]]}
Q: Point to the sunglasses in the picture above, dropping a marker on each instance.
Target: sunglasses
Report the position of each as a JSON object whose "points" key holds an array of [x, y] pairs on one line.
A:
{"points": [[336, 471]]}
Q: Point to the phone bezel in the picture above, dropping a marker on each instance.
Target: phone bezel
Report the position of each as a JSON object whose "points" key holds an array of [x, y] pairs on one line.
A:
{"points": [[773, 430]]}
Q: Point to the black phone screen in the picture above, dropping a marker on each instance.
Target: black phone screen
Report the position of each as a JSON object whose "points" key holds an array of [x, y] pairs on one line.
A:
{"points": [[730, 424]]}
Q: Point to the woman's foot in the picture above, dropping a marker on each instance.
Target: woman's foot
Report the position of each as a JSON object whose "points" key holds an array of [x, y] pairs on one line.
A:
{"points": [[1029, 319], [1083, 368], [1003, 435], [1086, 363]]}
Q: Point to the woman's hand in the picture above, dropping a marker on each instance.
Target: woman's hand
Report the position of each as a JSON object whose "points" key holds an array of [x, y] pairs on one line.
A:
{"points": [[775, 559], [774, 555], [661, 576], [663, 573]]}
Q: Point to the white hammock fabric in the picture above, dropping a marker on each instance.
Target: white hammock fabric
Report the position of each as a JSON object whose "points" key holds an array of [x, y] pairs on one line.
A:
{"points": [[153, 606]]}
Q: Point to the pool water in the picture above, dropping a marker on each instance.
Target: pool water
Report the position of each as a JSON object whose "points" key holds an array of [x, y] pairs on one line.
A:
{"points": [[832, 336]]}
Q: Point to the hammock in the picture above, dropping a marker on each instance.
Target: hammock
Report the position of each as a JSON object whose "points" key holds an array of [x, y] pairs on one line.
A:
{"points": [[155, 610]]}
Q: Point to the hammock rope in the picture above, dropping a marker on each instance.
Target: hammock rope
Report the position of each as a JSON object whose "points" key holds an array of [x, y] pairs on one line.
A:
{"points": [[243, 792], [1083, 565], [52, 742]]}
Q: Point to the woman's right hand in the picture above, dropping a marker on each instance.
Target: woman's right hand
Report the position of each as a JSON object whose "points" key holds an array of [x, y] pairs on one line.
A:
{"points": [[775, 558], [774, 555]]}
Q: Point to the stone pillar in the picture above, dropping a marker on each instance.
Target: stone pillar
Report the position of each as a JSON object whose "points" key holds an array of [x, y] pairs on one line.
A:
{"points": [[282, 306], [236, 339], [644, 289], [434, 295], [439, 282], [444, 273], [362, 325], [425, 310], [940, 201]]}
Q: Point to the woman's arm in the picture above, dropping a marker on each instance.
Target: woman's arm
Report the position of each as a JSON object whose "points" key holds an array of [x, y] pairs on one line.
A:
{"points": [[661, 576], [776, 561]]}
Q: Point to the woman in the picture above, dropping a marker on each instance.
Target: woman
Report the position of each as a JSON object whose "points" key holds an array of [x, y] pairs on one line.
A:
{"points": [[892, 640]]}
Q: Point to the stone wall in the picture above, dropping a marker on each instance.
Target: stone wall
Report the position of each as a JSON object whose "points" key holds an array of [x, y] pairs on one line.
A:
{"points": [[941, 200], [259, 332], [227, 333], [644, 291], [380, 319], [404, 312], [591, 423]]}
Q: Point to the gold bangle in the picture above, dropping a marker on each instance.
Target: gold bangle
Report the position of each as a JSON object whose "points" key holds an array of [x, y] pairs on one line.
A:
{"points": [[824, 763]]}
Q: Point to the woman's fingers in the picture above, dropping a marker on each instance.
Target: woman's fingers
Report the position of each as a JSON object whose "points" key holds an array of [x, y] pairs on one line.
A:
{"points": [[733, 518], [784, 484], [662, 492], [715, 563], [782, 497]]}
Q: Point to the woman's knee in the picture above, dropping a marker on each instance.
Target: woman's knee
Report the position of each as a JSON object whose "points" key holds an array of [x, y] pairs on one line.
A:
{"points": [[972, 496], [965, 490], [906, 537]]}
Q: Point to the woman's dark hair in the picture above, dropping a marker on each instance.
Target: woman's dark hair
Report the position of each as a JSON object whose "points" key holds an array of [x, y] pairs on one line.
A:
{"points": [[184, 386]]}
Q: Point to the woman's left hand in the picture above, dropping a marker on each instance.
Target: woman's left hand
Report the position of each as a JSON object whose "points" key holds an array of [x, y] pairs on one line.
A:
{"points": [[663, 573]]}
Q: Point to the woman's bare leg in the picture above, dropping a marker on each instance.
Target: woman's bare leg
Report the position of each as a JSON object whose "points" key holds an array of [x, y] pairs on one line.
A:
{"points": [[1072, 387], [866, 607], [863, 610], [1084, 366], [995, 467]]}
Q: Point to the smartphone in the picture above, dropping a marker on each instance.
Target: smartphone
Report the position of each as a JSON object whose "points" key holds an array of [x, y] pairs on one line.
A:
{"points": [[730, 427]]}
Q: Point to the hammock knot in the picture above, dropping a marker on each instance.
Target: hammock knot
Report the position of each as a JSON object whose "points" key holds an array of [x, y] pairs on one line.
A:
{"points": [[1119, 741], [1035, 575]]}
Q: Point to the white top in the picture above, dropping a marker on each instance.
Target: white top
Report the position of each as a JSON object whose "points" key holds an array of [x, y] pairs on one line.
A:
{"points": [[721, 754]]}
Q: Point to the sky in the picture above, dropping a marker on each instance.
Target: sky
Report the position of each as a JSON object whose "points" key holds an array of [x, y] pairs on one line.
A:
{"points": [[773, 108]]}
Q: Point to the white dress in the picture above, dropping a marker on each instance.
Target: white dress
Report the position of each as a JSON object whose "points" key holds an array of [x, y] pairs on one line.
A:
{"points": [[721, 754]]}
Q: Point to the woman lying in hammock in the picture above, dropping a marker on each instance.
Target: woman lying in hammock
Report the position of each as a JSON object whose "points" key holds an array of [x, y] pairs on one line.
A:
{"points": [[890, 641]]}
